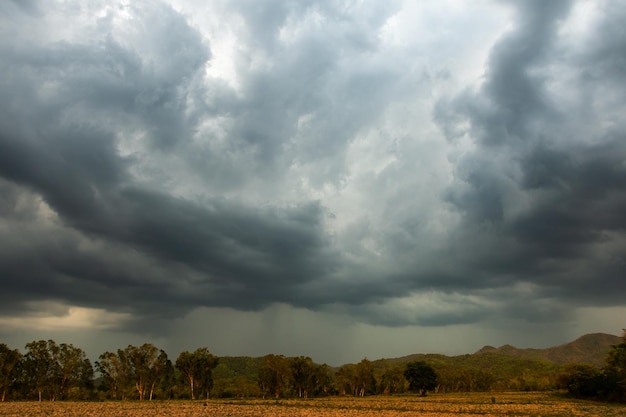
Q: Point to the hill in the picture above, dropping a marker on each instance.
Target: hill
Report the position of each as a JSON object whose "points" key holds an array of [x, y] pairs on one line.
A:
{"points": [[590, 349], [490, 368]]}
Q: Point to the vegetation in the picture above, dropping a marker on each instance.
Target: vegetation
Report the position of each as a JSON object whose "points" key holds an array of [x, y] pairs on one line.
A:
{"points": [[197, 370], [608, 383], [421, 377], [51, 371]]}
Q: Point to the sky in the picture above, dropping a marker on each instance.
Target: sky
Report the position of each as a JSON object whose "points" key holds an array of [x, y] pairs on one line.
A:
{"points": [[336, 179]]}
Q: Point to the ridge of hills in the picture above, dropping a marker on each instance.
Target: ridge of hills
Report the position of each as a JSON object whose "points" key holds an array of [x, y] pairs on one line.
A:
{"points": [[504, 368], [590, 349]]}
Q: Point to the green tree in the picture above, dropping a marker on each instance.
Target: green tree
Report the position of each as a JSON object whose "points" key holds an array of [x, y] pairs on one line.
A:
{"points": [[148, 364], [39, 367], [70, 367], [392, 381], [582, 380], [357, 379], [273, 375], [9, 368], [323, 380], [303, 376], [345, 379], [421, 377], [197, 369], [364, 380], [116, 373], [615, 371]]}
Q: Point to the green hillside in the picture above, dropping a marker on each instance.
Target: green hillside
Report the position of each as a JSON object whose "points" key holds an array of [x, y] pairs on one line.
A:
{"points": [[589, 349], [504, 368]]}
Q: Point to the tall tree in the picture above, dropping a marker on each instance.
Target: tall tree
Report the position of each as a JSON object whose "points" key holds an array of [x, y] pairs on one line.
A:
{"points": [[39, 367], [197, 369], [302, 375], [616, 371], [116, 372], [345, 380], [148, 364], [365, 382], [9, 368], [392, 381], [421, 377], [274, 375], [71, 368]]}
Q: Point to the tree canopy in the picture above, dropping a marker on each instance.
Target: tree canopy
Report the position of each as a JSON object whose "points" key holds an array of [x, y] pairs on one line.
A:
{"points": [[421, 377]]}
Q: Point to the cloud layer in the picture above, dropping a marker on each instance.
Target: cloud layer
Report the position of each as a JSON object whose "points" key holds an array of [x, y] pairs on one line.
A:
{"points": [[401, 165]]}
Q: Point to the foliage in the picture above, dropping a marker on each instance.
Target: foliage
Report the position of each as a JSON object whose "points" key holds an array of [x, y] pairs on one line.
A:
{"points": [[274, 376], [609, 383], [421, 376], [357, 380], [53, 369], [197, 370], [141, 368], [61, 371], [392, 381], [9, 368], [237, 377]]}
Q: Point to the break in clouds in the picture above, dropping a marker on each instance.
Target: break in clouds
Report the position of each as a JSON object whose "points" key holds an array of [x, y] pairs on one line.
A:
{"points": [[402, 164]]}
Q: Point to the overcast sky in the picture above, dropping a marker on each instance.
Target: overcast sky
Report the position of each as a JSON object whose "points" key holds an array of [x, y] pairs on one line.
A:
{"points": [[336, 179]]}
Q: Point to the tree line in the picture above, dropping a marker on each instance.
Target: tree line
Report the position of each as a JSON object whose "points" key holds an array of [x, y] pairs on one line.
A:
{"points": [[607, 383], [51, 371]]}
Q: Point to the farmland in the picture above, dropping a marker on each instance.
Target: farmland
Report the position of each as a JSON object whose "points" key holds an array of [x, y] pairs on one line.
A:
{"points": [[441, 405]]}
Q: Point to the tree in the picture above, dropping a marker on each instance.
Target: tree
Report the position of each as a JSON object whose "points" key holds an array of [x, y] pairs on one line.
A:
{"points": [[71, 368], [364, 380], [392, 381], [357, 379], [615, 371], [421, 377], [54, 369], [148, 364], [582, 380], [115, 371], [139, 367], [323, 379], [302, 375], [197, 369], [344, 379], [9, 368], [38, 367], [274, 375]]}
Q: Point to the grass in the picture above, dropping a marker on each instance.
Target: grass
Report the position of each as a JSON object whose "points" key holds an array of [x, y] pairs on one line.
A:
{"points": [[442, 405]]}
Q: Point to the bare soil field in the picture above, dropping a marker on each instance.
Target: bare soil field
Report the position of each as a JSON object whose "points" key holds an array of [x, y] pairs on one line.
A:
{"points": [[443, 405]]}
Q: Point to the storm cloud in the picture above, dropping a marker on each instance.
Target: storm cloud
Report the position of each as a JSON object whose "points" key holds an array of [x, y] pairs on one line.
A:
{"points": [[396, 166]]}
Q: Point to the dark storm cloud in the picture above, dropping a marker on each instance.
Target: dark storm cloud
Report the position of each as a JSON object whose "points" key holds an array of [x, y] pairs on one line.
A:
{"points": [[135, 179], [62, 145], [541, 195]]}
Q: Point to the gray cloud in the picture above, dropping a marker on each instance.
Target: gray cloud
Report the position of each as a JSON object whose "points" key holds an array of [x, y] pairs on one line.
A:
{"points": [[332, 166]]}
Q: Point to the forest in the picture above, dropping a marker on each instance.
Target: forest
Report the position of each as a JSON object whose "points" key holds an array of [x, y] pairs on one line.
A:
{"points": [[50, 371]]}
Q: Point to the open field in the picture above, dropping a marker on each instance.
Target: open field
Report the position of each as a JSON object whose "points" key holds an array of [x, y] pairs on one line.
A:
{"points": [[457, 405]]}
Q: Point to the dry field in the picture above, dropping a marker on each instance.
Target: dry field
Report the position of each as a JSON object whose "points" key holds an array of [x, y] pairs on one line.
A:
{"points": [[456, 405]]}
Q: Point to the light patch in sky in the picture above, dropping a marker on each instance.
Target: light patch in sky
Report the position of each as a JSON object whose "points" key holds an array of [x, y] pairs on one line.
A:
{"points": [[52, 316]]}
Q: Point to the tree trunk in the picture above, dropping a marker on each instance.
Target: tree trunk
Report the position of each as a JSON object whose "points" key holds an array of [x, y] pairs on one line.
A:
{"points": [[193, 396]]}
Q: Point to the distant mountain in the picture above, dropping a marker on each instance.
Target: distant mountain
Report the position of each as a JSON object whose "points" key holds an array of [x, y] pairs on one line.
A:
{"points": [[590, 348]]}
